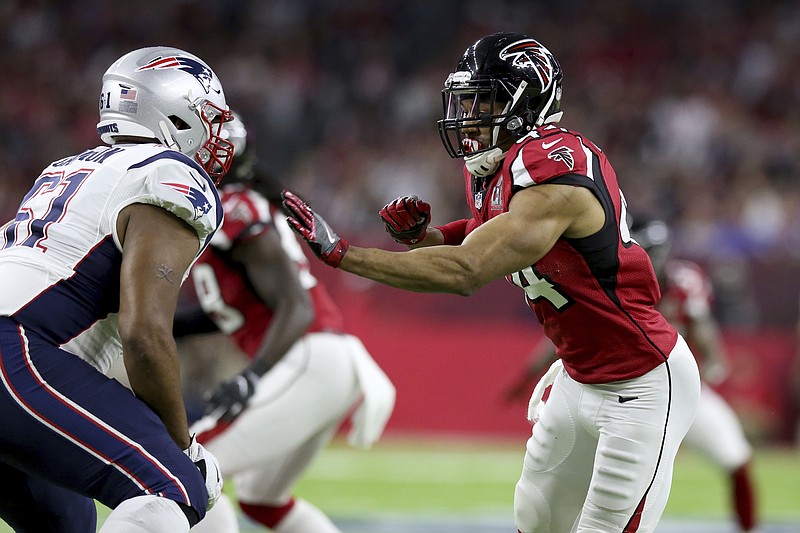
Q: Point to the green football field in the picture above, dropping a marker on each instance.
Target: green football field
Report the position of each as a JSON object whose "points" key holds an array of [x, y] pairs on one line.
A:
{"points": [[443, 485]]}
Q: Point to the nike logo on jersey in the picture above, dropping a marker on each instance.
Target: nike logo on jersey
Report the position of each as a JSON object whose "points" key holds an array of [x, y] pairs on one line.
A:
{"points": [[549, 145], [626, 399]]}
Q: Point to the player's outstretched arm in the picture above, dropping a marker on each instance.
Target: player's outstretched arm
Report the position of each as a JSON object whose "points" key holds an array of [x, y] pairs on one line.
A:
{"points": [[510, 242]]}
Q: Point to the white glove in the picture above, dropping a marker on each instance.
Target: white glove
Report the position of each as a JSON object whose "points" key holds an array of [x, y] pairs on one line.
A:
{"points": [[535, 403], [209, 468]]}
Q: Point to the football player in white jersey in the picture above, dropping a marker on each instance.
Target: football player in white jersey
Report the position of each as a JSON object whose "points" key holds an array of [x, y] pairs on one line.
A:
{"points": [[90, 271], [269, 422]]}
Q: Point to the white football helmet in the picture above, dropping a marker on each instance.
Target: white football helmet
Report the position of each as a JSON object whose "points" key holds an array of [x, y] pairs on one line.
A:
{"points": [[170, 95], [236, 132]]}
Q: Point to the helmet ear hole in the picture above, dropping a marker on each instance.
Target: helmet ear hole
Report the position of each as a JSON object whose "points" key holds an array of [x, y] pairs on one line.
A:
{"points": [[179, 123], [530, 116]]}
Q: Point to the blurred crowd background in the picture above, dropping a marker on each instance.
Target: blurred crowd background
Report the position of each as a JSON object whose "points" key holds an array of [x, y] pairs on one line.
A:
{"points": [[697, 105]]}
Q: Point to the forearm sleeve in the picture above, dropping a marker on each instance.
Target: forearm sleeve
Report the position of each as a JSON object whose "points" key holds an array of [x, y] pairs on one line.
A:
{"points": [[454, 232], [192, 321]]}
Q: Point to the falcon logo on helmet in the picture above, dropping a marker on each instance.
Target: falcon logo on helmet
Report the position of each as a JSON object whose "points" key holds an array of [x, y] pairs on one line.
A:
{"points": [[529, 54], [187, 64]]}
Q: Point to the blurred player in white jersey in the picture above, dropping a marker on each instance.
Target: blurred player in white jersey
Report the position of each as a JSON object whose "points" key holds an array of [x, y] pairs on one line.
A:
{"points": [[90, 271], [547, 214], [269, 422], [686, 302]]}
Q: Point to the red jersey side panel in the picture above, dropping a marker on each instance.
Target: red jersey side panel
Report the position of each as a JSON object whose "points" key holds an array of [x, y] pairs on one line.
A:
{"points": [[223, 288], [595, 296]]}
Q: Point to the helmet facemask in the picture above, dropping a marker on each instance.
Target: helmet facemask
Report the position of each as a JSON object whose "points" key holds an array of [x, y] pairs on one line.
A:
{"points": [[465, 106], [216, 154]]}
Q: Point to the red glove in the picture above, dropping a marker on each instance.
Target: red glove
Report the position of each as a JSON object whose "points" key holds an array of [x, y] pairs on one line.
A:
{"points": [[321, 238], [406, 219]]}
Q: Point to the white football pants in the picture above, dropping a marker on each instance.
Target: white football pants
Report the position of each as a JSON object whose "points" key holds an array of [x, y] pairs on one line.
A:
{"points": [[600, 457]]}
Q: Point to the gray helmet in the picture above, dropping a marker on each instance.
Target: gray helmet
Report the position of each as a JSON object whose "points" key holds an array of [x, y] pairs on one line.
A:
{"points": [[236, 132], [170, 95], [244, 161]]}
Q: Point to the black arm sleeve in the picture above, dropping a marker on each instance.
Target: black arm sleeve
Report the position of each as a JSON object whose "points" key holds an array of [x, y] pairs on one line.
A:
{"points": [[192, 321]]}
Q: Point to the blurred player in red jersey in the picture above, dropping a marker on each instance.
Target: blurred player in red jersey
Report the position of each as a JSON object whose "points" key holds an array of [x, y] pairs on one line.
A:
{"points": [[548, 215], [268, 423], [686, 297]]}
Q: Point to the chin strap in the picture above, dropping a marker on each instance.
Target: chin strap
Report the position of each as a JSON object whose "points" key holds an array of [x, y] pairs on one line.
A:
{"points": [[554, 118], [168, 139], [485, 163]]}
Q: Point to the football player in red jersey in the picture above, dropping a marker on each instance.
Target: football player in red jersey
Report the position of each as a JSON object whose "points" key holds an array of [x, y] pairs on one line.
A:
{"points": [[548, 215], [268, 423], [686, 297]]}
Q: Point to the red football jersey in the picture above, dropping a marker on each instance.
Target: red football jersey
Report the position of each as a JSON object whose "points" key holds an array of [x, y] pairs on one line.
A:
{"points": [[222, 286], [596, 296]]}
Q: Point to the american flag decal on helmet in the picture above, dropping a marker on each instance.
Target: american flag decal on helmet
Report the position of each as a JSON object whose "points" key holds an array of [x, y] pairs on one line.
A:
{"points": [[127, 93], [529, 54], [187, 64]]}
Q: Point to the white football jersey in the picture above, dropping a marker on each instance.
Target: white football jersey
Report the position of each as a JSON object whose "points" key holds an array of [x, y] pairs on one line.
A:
{"points": [[60, 257]]}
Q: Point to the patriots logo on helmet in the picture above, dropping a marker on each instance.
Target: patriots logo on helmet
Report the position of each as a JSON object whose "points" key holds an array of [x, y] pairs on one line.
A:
{"points": [[201, 72], [199, 202], [562, 153], [529, 54]]}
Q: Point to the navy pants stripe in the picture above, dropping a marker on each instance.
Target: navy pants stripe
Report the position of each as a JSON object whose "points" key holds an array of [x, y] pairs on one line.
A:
{"points": [[67, 423]]}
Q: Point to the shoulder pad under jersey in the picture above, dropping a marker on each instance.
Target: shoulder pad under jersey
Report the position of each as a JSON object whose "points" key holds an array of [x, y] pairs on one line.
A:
{"points": [[175, 182], [547, 153], [247, 214]]}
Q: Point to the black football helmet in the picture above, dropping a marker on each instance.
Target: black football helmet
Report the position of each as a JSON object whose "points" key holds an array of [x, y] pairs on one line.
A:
{"points": [[506, 68], [655, 237]]}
